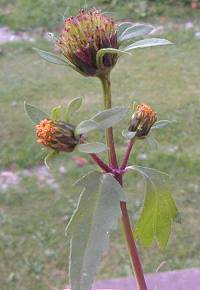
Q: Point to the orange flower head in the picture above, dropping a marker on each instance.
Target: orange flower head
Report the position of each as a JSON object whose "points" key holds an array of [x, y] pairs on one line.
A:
{"points": [[45, 132], [57, 135], [83, 36], [142, 120]]}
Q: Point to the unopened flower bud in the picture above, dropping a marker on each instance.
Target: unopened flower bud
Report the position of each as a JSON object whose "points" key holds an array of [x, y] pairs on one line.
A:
{"points": [[142, 120], [83, 36], [57, 135]]}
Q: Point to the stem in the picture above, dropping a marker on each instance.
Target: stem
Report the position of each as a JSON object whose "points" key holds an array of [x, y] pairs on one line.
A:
{"points": [[100, 163], [106, 84], [137, 267], [127, 154], [135, 259]]}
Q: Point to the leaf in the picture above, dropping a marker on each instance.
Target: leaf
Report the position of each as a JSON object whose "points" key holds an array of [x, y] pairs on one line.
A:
{"points": [[110, 117], [159, 209], [103, 51], [153, 143], [135, 31], [95, 147], [85, 127], [56, 113], [51, 57], [96, 215], [122, 27], [147, 43], [73, 107], [49, 157], [128, 135], [34, 113], [161, 124]]}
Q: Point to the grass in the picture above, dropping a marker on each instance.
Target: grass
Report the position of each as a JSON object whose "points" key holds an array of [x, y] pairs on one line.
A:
{"points": [[33, 216], [29, 14]]}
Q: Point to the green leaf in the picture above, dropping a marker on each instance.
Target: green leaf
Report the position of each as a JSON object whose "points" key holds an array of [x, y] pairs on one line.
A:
{"points": [[51, 57], [147, 43], [103, 51], [161, 124], [95, 147], [73, 107], [128, 135], [34, 113], [135, 31], [56, 113], [51, 155], [96, 215], [122, 27], [110, 117], [85, 127], [159, 209]]}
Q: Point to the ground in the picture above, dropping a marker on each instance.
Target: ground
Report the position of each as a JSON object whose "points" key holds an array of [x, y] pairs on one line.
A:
{"points": [[36, 206]]}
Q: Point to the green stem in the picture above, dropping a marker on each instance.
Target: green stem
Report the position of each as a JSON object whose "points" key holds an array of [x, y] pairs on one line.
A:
{"points": [[106, 84]]}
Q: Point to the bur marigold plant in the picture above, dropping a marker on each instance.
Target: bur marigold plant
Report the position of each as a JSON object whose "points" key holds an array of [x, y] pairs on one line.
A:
{"points": [[91, 43]]}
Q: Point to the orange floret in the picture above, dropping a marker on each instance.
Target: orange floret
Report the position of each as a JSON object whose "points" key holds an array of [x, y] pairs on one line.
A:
{"points": [[146, 111], [45, 131]]}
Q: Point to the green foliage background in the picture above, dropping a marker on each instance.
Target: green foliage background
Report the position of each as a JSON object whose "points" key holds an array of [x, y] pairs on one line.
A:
{"points": [[27, 14]]}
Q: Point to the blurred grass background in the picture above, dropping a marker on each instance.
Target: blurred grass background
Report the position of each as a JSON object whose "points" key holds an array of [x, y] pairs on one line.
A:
{"points": [[34, 213]]}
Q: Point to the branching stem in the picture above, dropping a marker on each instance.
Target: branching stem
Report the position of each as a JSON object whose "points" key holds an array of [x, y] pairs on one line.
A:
{"points": [[118, 173]]}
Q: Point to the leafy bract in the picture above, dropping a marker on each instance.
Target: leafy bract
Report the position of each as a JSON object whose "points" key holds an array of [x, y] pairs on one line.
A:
{"points": [[110, 117], [51, 155], [95, 147], [161, 124], [103, 51], [34, 113], [147, 43], [134, 31], [128, 134], [122, 27], [86, 126], [73, 107], [97, 213], [51, 57], [159, 209], [56, 113]]}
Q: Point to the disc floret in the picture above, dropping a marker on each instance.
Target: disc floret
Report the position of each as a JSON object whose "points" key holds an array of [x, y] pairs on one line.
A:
{"points": [[57, 135], [83, 36], [142, 120]]}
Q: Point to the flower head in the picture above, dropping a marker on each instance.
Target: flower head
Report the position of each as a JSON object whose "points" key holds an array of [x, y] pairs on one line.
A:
{"points": [[142, 120], [83, 36], [57, 135]]}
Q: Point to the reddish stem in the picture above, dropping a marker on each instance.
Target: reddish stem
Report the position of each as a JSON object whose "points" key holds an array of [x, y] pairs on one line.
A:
{"points": [[127, 154], [135, 259], [100, 163]]}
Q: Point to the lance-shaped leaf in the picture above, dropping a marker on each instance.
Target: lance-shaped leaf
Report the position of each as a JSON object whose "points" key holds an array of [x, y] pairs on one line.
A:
{"points": [[96, 215], [159, 209], [110, 117], [147, 43], [34, 113], [135, 31], [95, 147]]}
